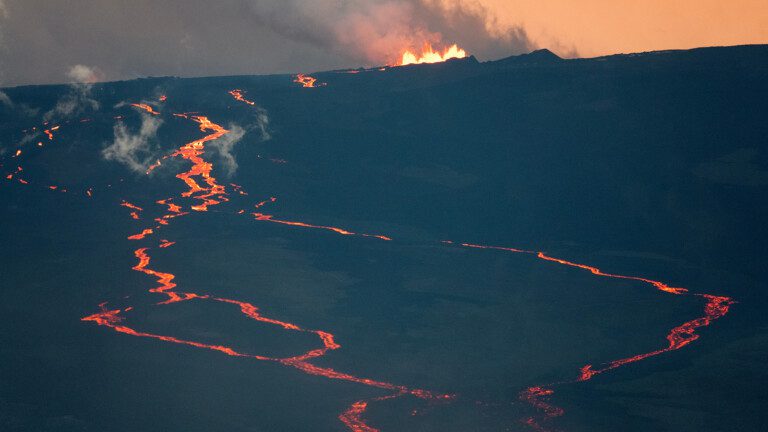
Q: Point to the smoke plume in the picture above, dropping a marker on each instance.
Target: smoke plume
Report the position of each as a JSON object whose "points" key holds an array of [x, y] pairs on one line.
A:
{"points": [[377, 31]]}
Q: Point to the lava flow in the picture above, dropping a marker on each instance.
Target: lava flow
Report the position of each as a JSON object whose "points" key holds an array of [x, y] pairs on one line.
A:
{"points": [[203, 192], [307, 81], [428, 55], [202, 186], [49, 132], [678, 337], [269, 218], [136, 209], [238, 95], [146, 107], [213, 193]]}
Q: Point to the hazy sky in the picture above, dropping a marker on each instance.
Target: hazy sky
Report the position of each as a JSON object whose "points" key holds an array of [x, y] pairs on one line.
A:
{"points": [[41, 40], [599, 27]]}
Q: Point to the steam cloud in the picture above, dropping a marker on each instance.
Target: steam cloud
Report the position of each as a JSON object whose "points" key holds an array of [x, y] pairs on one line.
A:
{"points": [[147, 37], [136, 151], [226, 144], [78, 99], [5, 100]]}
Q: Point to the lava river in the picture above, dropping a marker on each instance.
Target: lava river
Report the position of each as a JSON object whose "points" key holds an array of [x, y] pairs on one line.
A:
{"points": [[204, 192]]}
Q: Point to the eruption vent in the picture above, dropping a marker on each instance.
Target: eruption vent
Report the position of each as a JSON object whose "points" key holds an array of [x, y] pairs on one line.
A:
{"points": [[428, 55]]}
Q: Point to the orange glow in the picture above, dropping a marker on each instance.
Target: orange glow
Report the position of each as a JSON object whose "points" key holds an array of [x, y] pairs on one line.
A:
{"points": [[153, 166], [131, 206], [597, 272], [353, 417], [204, 188], [239, 189], [136, 209], [269, 218], [601, 27], [262, 203], [173, 208], [428, 55], [145, 107], [11, 175], [677, 338], [213, 193], [141, 235], [307, 81], [238, 95], [594, 270], [680, 336], [203, 191]]}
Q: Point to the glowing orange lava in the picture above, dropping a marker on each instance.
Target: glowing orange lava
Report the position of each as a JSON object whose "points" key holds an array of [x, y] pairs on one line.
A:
{"points": [[145, 107], [267, 201], [428, 55], [307, 81], [680, 336], [202, 186], [136, 209], [141, 235], [677, 338], [238, 95], [212, 193], [269, 218], [203, 191], [49, 132]]}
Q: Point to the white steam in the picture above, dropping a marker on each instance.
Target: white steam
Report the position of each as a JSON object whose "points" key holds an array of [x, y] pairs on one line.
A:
{"points": [[135, 150], [78, 99], [226, 144], [5, 100]]}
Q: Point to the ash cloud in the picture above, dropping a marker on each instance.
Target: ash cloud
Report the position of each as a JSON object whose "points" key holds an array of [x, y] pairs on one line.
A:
{"points": [[191, 38], [134, 150]]}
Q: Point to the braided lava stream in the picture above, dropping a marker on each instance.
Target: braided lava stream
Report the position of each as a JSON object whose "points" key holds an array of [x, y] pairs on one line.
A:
{"points": [[205, 192]]}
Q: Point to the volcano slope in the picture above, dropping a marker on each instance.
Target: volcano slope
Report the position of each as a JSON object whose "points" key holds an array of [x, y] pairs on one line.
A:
{"points": [[525, 244]]}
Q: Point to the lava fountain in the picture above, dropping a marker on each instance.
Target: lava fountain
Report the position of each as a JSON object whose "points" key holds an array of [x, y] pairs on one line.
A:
{"points": [[429, 55]]}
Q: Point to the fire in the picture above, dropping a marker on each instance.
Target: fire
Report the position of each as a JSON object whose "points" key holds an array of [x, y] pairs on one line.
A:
{"points": [[428, 55]]}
